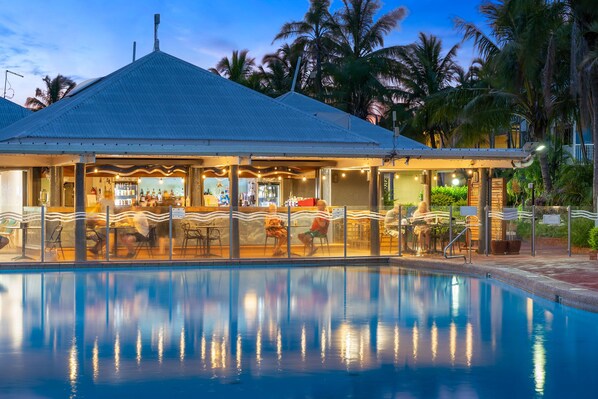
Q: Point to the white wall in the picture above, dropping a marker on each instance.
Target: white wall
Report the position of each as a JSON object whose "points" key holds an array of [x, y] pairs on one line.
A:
{"points": [[11, 191]]}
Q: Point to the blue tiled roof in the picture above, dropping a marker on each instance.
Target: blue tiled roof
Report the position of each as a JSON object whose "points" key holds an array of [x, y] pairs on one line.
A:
{"points": [[162, 97], [351, 122], [11, 112]]}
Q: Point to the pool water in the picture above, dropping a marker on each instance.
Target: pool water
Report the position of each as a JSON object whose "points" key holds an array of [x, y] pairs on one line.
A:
{"points": [[327, 332]]}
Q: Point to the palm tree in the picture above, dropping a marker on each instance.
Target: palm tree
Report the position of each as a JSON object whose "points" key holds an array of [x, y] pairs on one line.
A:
{"points": [[238, 68], [313, 35], [426, 72], [585, 71], [278, 70], [55, 90], [362, 68], [527, 53]]}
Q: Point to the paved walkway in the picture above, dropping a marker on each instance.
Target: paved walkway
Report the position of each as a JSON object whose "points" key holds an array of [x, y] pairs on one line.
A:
{"points": [[572, 280]]}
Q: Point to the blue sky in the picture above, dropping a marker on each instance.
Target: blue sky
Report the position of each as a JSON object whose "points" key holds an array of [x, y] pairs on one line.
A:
{"points": [[90, 38]]}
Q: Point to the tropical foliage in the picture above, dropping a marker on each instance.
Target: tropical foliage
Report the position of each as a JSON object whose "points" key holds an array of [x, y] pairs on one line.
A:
{"points": [[55, 90]]}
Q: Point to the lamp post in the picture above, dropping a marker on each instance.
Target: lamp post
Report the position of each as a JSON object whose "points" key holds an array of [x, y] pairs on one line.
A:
{"points": [[531, 187]]}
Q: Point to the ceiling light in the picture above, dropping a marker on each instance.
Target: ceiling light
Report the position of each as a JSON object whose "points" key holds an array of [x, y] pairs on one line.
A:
{"points": [[343, 174], [304, 178]]}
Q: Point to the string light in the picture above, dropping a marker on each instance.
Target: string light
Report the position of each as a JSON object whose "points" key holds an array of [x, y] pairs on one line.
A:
{"points": [[396, 176], [343, 174], [304, 178], [95, 170], [324, 177], [161, 181]]}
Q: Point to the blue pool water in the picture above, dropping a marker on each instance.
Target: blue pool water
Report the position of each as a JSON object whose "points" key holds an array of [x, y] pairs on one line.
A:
{"points": [[330, 332]]}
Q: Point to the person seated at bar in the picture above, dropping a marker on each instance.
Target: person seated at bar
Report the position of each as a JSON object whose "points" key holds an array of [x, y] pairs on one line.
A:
{"points": [[421, 229], [275, 228], [391, 224], [319, 228], [141, 233]]}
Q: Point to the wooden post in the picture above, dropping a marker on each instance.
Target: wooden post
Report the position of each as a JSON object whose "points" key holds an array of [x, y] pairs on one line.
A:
{"points": [[374, 199], [233, 178], [56, 186], [80, 240], [482, 202]]}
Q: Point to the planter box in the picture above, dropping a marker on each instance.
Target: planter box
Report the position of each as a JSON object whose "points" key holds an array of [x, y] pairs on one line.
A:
{"points": [[513, 247], [593, 254], [499, 247]]}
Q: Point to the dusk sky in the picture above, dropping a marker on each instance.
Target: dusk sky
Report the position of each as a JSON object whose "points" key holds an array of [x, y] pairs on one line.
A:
{"points": [[87, 39]]}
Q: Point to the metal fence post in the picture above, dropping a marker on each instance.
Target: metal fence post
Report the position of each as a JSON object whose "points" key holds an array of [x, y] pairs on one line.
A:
{"points": [[533, 230], [569, 230], [345, 232], [400, 230], [108, 234], [230, 231], [451, 227], [43, 234], [170, 232], [487, 236], [289, 231]]}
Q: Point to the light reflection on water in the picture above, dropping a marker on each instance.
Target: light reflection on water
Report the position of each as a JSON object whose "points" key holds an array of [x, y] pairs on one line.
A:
{"points": [[371, 332]]}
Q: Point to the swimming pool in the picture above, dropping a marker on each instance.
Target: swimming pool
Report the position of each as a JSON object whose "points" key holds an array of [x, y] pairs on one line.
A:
{"points": [[325, 332]]}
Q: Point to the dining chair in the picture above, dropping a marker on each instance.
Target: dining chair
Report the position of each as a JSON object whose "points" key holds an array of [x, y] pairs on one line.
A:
{"points": [[190, 234], [149, 241], [54, 242]]}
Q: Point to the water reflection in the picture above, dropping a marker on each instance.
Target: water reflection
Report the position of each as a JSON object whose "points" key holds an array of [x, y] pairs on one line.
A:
{"points": [[203, 327]]}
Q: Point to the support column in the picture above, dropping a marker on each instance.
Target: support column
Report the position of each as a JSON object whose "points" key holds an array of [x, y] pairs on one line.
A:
{"points": [[428, 188], [233, 178], [374, 207], [483, 202], [56, 186], [318, 188], [195, 186], [80, 242], [326, 174]]}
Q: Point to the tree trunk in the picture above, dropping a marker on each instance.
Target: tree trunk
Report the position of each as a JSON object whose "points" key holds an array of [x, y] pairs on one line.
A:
{"points": [[545, 169]]}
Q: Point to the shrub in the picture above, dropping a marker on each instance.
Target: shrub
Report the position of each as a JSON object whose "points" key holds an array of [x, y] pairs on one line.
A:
{"points": [[441, 199], [593, 238], [580, 232]]}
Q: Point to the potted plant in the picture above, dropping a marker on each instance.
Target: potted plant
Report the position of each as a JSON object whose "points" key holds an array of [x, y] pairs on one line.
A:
{"points": [[593, 241], [499, 247], [513, 247]]}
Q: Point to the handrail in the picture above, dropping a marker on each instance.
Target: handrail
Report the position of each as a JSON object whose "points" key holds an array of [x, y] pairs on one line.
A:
{"points": [[450, 244]]}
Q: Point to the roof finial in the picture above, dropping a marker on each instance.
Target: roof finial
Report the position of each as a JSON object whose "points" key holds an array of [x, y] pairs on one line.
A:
{"points": [[156, 23]]}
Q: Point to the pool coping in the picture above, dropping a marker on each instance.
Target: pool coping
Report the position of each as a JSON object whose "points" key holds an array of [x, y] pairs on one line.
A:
{"points": [[548, 288], [545, 287]]}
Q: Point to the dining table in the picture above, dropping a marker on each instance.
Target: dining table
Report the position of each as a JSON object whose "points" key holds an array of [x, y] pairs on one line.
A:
{"points": [[25, 228]]}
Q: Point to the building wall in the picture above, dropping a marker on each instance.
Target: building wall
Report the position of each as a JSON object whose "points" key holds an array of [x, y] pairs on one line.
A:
{"points": [[407, 190], [351, 190]]}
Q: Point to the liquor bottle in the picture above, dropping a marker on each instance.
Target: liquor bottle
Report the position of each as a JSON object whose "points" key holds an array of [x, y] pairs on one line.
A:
{"points": [[141, 193], [153, 193], [159, 195]]}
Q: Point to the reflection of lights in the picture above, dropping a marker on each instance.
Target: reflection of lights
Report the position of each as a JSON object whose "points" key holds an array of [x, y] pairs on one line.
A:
{"points": [[203, 349], [455, 296], [95, 359], [160, 344], [434, 339], [453, 341], [73, 363], [182, 345], [250, 305], [323, 345], [415, 340], [530, 315], [117, 353], [539, 363], [214, 353], [258, 347], [138, 347], [223, 352], [279, 345], [303, 343], [239, 352], [468, 343], [396, 346]]}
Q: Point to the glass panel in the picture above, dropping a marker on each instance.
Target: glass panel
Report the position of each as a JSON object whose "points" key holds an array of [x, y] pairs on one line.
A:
{"points": [[551, 230], [202, 234]]}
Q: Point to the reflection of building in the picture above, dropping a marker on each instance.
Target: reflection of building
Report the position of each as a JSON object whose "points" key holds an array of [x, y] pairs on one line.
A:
{"points": [[111, 326]]}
